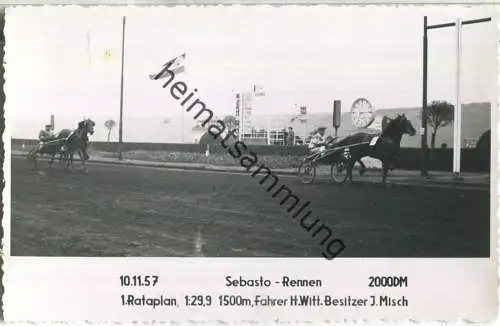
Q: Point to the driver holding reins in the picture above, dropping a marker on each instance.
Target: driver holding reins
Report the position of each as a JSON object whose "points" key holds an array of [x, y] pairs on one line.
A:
{"points": [[318, 141], [46, 133]]}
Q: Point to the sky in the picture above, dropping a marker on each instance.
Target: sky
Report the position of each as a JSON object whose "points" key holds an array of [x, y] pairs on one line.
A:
{"points": [[56, 61]]}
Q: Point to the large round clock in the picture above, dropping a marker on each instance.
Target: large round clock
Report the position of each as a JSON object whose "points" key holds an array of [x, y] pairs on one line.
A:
{"points": [[362, 113]]}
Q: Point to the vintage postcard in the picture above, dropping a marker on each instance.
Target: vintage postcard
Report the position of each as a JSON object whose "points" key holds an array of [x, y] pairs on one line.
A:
{"points": [[250, 163]]}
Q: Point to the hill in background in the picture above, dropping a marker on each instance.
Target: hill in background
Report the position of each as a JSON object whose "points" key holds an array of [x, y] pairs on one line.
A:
{"points": [[158, 129]]}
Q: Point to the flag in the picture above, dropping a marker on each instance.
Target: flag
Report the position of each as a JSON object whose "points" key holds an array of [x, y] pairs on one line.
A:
{"points": [[301, 118], [107, 54], [99, 49], [302, 113], [175, 65]]}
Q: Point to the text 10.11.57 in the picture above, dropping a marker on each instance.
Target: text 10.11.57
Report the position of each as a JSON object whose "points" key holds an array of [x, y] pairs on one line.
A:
{"points": [[138, 280]]}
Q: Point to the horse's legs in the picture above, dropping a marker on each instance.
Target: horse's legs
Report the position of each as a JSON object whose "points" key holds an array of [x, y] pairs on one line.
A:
{"points": [[386, 164], [52, 158], [350, 166], [83, 157], [72, 159], [69, 159], [32, 155], [363, 167], [85, 152], [393, 162]]}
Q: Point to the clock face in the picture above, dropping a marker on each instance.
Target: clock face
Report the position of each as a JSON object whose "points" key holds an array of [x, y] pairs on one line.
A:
{"points": [[362, 113]]}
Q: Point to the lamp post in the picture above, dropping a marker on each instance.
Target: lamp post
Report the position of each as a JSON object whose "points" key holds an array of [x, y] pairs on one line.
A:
{"points": [[120, 123], [458, 107]]}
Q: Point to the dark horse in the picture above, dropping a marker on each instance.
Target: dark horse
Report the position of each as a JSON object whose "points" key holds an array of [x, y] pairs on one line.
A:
{"points": [[385, 148], [66, 143]]}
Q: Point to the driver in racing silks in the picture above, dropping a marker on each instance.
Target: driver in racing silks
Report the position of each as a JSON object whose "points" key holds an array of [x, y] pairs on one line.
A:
{"points": [[318, 141]]}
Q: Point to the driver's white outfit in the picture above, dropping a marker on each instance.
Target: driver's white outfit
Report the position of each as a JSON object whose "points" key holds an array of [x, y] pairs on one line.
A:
{"points": [[317, 143], [44, 135]]}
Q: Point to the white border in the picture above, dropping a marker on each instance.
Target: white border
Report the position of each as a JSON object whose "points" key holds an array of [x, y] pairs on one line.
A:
{"points": [[51, 294], [75, 289], [241, 2]]}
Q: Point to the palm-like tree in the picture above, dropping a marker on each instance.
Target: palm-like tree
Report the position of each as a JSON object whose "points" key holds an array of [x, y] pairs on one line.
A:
{"points": [[440, 114], [109, 124]]}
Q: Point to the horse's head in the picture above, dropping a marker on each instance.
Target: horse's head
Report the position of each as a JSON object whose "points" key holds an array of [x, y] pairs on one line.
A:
{"points": [[87, 125], [406, 125], [398, 126]]}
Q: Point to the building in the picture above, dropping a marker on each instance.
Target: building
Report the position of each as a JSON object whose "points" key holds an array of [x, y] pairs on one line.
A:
{"points": [[476, 119]]}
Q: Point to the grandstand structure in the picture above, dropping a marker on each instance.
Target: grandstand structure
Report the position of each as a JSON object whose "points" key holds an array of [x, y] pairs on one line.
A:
{"points": [[273, 131]]}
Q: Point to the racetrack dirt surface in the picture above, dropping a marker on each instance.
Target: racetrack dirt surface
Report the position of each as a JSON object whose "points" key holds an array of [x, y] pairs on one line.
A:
{"points": [[132, 211]]}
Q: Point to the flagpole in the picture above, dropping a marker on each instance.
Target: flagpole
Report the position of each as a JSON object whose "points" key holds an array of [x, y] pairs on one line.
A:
{"points": [[120, 125]]}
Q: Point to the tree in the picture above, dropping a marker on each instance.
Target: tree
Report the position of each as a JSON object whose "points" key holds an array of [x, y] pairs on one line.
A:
{"points": [[109, 124], [440, 114], [230, 123], [483, 148], [207, 139]]}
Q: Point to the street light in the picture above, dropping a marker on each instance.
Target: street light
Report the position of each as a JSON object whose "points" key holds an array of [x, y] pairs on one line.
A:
{"points": [[458, 107], [120, 122]]}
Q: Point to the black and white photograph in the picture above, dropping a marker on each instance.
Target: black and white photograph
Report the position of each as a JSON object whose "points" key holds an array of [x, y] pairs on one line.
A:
{"points": [[317, 132]]}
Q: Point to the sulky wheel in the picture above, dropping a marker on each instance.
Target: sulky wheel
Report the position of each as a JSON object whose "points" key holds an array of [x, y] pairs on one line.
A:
{"points": [[307, 172], [338, 171]]}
